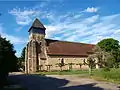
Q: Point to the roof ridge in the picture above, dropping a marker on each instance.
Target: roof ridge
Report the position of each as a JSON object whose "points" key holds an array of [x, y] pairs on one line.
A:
{"points": [[71, 42]]}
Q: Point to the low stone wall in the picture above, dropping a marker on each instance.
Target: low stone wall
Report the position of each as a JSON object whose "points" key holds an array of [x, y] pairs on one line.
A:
{"points": [[65, 67], [74, 63]]}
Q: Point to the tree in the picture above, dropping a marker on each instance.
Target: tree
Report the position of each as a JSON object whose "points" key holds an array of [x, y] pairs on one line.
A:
{"points": [[8, 60], [80, 65], [70, 65], [20, 64], [60, 65], [98, 53], [21, 60], [103, 59], [49, 67], [91, 63], [23, 54], [111, 46]]}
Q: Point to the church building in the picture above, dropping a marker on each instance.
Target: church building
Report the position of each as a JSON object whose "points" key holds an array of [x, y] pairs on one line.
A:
{"points": [[43, 54]]}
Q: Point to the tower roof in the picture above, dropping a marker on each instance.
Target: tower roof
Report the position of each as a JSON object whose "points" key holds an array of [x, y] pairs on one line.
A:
{"points": [[37, 24]]}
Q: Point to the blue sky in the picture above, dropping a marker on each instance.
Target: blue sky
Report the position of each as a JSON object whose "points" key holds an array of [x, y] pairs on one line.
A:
{"points": [[86, 21]]}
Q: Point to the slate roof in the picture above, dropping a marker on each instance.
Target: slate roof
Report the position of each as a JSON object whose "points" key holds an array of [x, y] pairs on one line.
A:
{"points": [[64, 48], [37, 24]]}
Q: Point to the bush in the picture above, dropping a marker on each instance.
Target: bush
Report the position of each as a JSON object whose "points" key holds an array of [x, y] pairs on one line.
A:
{"points": [[106, 69], [8, 60]]}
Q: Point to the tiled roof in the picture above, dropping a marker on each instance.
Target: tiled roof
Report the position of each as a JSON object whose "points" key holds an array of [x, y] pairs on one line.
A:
{"points": [[56, 47], [37, 24]]}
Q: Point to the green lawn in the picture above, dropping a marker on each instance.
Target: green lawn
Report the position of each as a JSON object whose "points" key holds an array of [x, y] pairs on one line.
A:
{"points": [[71, 72], [113, 75]]}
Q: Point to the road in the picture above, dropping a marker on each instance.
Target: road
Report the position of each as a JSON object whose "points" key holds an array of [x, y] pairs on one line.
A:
{"points": [[60, 82]]}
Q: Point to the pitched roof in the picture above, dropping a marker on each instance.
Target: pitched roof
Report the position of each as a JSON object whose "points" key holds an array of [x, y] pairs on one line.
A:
{"points": [[55, 47], [37, 24]]}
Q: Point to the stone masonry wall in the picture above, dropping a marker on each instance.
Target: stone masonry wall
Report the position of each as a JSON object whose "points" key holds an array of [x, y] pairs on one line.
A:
{"points": [[53, 60]]}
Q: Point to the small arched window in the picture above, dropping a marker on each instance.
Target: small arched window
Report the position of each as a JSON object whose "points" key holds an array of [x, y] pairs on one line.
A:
{"points": [[84, 61], [62, 61]]}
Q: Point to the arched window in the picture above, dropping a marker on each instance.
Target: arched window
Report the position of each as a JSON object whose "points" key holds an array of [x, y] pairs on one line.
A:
{"points": [[62, 61], [84, 61]]}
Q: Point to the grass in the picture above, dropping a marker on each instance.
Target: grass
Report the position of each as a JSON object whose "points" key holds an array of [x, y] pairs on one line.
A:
{"points": [[111, 76], [66, 72]]}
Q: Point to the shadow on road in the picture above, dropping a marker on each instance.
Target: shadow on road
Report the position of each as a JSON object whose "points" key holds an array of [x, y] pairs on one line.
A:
{"points": [[37, 82]]}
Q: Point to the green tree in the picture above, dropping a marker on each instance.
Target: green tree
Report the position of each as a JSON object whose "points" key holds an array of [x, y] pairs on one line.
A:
{"points": [[8, 60], [80, 65], [98, 54], [21, 60], [103, 59], [60, 65], [111, 46], [23, 55], [91, 63], [70, 65]]}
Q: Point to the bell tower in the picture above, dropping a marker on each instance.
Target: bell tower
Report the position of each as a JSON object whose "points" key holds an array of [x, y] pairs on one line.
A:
{"points": [[35, 49], [37, 31]]}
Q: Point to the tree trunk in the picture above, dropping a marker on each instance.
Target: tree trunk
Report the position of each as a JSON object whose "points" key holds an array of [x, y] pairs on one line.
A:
{"points": [[60, 68], [90, 70], [80, 66]]}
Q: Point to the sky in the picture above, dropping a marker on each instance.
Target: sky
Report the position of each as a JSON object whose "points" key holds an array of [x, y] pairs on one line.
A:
{"points": [[85, 21]]}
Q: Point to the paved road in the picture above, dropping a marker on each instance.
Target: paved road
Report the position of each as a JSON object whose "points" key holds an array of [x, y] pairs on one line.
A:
{"points": [[57, 82]]}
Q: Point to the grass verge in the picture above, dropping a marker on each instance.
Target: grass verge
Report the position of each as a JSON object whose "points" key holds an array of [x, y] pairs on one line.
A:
{"points": [[111, 76], [65, 72]]}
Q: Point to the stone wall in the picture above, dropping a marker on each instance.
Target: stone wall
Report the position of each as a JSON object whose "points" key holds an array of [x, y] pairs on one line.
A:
{"points": [[75, 61], [30, 57]]}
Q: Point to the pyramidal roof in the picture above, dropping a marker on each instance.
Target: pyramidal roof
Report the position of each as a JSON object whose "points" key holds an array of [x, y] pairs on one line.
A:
{"points": [[37, 24]]}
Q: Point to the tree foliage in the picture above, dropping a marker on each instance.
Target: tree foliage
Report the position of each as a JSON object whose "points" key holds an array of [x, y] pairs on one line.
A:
{"points": [[91, 63], [104, 59], [110, 46], [21, 60], [23, 54], [8, 60]]}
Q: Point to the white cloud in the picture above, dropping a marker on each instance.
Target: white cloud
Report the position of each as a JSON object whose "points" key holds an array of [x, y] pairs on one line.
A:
{"points": [[67, 28], [117, 32], [88, 30], [73, 26], [91, 9], [13, 39], [24, 17], [18, 29], [77, 16], [90, 20]]}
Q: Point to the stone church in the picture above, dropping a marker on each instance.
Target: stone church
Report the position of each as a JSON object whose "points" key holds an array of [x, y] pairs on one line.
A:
{"points": [[47, 54]]}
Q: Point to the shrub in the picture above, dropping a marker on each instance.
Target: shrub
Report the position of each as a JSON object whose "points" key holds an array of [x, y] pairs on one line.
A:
{"points": [[106, 69]]}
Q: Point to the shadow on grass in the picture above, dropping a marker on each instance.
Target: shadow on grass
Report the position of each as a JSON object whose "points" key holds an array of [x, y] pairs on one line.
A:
{"points": [[37, 82]]}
